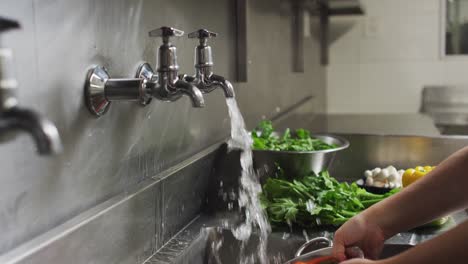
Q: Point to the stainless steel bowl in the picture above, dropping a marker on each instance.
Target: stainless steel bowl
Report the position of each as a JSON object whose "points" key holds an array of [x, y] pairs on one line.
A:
{"points": [[315, 254], [323, 247], [297, 163]]}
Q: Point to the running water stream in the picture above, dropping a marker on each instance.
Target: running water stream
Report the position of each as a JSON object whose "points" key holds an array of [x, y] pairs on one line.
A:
{"points": [[249, 189]]}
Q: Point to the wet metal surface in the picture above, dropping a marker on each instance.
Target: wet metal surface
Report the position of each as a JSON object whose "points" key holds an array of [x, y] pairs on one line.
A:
{"points": [[195, 243], [127, 228]]}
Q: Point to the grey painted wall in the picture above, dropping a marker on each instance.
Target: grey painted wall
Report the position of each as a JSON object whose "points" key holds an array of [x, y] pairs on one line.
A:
{"points": [[104, 157]]}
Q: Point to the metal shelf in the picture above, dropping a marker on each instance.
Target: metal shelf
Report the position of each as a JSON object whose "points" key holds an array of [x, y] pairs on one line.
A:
{"points": [[325, 10]]}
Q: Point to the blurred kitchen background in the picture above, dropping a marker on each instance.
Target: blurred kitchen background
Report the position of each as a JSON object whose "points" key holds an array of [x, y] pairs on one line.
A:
{"points": [[403, 57], [395, 67]]}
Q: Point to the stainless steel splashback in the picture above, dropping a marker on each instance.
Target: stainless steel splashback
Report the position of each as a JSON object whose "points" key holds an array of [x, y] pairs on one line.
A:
{"points": [[60, 39]]}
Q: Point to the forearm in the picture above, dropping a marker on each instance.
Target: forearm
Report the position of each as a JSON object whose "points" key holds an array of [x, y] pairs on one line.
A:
{"points": [[449, 247], [438, 193]]}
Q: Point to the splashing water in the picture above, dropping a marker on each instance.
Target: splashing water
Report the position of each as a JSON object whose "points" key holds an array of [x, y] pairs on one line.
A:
{"points": [[250, 187]]}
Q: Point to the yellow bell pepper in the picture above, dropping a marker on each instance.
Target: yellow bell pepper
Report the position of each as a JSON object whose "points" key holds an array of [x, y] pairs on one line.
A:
{"points": [[412, 175]]}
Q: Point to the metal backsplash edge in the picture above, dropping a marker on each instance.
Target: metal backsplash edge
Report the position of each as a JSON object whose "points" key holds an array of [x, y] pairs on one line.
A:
{"points": [[129, 227]]}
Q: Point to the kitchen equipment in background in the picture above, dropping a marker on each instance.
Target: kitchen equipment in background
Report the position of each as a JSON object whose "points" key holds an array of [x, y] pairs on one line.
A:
{"points": [[204, 77], [166, 85], [14, 118], [331, 30], [454, 27], [297, 163], [448, 107], [345, 14], [241, 40], [327, 31]]}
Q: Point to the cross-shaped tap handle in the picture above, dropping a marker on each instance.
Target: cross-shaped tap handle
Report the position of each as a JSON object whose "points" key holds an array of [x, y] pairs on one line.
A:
{"points": [[166, 32], [202, 34]]}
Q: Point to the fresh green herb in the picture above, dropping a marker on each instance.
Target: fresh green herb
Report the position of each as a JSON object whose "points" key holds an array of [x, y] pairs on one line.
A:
{"points": [[264, 138], [315, 200]]}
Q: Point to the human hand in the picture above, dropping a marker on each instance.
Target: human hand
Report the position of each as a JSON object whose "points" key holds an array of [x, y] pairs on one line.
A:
{"points": [[362, 233]]}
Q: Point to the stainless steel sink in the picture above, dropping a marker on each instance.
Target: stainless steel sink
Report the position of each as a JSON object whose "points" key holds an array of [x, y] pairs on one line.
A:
{"points": [[216, 245]]}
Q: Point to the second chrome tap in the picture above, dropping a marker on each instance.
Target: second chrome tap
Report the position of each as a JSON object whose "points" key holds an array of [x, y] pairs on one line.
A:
{"points": [[204, 77]]}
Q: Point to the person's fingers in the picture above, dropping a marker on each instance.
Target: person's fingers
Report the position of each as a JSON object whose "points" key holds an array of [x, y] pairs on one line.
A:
{"points": [[339, 247], [354, 252], [344, 237], [373, 246]]}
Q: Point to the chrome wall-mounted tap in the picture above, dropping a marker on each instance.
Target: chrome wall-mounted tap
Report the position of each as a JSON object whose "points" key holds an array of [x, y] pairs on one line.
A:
{"points": [[204, 77], [13, 117], [165, 85]]}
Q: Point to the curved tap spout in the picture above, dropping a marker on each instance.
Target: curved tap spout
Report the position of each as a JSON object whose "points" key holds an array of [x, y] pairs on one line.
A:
{"points": [[225, 84], [44, 133], [192, 91]]}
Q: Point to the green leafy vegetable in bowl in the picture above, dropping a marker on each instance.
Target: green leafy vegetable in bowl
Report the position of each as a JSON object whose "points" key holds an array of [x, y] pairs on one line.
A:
{"points": [[315, 200], [264, 138]]}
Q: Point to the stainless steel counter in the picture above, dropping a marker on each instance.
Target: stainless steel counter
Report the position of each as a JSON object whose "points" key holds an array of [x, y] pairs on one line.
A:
{"points": [[369, 124]]}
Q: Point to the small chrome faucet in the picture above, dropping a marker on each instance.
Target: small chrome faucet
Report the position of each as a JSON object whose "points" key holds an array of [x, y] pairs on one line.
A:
{"points": [[204, 77], [13, 117], [165, 85]]}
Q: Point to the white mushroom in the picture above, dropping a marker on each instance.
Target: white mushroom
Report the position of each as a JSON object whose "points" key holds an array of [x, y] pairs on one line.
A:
{"points": [[368, 173], [392, 170], [376, 171], [379, 184], [369, 181], [382, 176], [385, 173], [388, 177]]}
